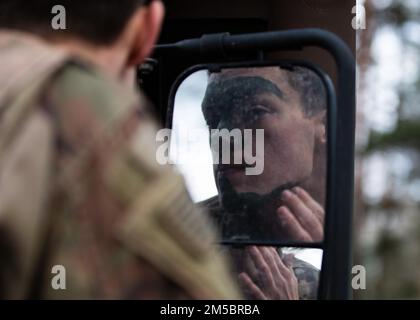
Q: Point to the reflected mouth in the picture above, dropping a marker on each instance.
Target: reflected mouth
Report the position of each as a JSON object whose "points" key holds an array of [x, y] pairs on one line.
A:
{"points": [[228, 170]]}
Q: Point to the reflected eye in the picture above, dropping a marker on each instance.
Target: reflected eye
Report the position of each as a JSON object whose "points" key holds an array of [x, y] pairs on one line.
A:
{"points": [[257, 111], [260, 110], [248, 113]]}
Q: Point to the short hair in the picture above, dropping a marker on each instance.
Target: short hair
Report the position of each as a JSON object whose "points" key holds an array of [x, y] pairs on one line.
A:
{"points": [[96, 21], [311, 89]]}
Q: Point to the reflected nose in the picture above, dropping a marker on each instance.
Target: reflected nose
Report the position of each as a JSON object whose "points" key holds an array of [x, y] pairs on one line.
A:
{"points": [[231, 134], [231, 122]]}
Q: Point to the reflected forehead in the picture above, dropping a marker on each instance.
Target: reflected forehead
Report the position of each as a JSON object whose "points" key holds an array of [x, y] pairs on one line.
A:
{"points": [[273, 74], [257, 80], [238, 90]]}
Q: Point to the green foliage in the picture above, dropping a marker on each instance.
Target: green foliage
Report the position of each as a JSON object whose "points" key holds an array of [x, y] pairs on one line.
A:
{"points": [[405, 135], [393, 258]]}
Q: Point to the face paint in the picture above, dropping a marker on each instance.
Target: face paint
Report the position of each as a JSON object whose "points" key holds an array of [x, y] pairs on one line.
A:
{"points": [[233, 99], [233, 103], [250, 215]]}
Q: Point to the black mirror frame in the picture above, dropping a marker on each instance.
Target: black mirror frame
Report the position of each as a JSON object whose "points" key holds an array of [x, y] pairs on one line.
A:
{"points": [[331, 133], [336, 266]]}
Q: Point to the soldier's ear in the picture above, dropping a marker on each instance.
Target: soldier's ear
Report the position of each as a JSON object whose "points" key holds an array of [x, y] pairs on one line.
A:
{"points": [[145, 25], [321, 122]]}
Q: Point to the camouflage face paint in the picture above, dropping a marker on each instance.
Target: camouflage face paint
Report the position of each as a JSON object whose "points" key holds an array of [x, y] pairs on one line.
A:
{"points": [[237, 94]]}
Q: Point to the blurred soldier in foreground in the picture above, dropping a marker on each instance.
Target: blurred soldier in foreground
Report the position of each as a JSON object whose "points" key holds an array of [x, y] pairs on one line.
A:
{"points": [[80, 187]]}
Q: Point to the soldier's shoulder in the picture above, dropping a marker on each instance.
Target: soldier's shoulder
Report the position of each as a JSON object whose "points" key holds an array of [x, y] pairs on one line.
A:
{"points": [[211, 203], [308, 279], [214, 209], [78, 83]]}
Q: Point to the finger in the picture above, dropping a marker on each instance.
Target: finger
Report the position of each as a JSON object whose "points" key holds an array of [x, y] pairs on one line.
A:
{"points": [[292, 225], [272, 257], [286, 281], [310, 202], [306, 217], [289, 261], [251, 287], [250, 267], [262, 266], [282, 266], [289, 273]]}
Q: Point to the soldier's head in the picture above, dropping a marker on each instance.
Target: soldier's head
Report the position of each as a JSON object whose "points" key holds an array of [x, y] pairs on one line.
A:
{"points": [[290, 105], [129, 27]]}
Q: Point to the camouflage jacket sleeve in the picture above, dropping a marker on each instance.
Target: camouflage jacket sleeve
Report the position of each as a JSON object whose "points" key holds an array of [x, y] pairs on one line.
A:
{"points": [[308, 279], [120, 225]]}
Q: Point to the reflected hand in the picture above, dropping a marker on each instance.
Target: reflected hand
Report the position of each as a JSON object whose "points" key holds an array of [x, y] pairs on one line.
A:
{"points": [[267, 277], [301, 216]]}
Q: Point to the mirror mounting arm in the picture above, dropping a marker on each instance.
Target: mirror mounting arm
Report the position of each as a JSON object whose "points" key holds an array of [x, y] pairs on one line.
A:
{"points": [[213, 44]]}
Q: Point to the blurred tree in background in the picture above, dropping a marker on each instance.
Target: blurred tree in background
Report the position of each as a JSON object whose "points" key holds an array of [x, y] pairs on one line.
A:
{"points": [[387, 215]]}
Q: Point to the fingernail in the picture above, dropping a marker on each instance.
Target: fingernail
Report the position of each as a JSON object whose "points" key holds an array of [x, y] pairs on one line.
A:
{"points": [[296, 190]]}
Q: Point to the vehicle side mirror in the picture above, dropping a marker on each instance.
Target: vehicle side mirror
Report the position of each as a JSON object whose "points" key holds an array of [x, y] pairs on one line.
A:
{"points": [[268, 148]]}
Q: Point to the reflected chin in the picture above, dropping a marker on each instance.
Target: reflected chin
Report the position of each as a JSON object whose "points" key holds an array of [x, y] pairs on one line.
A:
{"points": [[241, 183], [262, 185], [246, 188]]}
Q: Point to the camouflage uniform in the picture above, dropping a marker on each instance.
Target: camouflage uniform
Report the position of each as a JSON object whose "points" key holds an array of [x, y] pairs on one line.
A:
{"points": [[306, 274], [80, 188]]}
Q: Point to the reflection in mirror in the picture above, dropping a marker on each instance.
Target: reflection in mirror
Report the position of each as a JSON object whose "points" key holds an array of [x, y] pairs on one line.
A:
{"points": [[251, 143], [274, 273]]}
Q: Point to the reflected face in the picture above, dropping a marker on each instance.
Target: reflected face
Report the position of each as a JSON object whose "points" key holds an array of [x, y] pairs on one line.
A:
{"points": [[262, 98]]}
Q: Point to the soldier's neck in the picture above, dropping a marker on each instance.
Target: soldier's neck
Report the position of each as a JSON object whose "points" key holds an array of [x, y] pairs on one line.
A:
{"points": [[112, 60]]}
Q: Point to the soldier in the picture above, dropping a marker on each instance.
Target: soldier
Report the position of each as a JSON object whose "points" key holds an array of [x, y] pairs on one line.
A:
{"points": [[80, 186], [285, 202]]}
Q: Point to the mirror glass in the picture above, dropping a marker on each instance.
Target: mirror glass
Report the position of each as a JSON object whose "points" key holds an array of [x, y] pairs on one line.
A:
{"points": [[276, 273], [252, 145]]}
